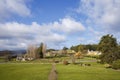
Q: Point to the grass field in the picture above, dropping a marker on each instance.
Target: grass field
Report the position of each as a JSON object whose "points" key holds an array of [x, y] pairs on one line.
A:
{"points": [[24, 71], [94, 72], [37, 71]]}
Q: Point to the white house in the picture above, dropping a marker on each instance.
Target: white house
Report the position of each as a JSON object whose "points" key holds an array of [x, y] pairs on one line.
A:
{"points": [[94, 53]]}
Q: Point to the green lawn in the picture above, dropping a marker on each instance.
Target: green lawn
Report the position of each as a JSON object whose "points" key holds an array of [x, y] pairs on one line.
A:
{"points": [[36, 71], [93, 72], [24, 71]]}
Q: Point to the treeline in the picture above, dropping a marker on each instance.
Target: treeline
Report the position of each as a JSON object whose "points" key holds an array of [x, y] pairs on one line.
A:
{"points": [[83, 48]]}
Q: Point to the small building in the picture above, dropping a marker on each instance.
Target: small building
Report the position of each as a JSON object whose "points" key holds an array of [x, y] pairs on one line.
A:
{"points": [[93, 53], [70, 51]]}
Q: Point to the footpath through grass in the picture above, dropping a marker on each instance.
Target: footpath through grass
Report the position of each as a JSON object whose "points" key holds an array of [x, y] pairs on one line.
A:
{"points": [[24, 71]]}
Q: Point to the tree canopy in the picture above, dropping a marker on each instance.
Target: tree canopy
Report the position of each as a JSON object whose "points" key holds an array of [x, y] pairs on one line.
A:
{"points": [[83, 48], [109, 48]]}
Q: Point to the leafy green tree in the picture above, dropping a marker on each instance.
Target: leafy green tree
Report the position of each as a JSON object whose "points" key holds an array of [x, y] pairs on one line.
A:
{"points": [[48, 50], [83, 48], [91, 47], [65, 48], [109, 48], [74, 48], [116, 64]]}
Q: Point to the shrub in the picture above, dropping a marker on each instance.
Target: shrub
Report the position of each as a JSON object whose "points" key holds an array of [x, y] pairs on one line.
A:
{"points": [[107, 66], [87, 64], [56, 61], [116, 64], [65, 62], [81, 64]]}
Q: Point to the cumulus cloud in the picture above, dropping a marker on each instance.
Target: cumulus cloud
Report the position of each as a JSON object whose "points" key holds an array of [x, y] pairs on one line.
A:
{"points": [[15, 35], [68, 25], [105, 13], [18, 35], [8, 7]]}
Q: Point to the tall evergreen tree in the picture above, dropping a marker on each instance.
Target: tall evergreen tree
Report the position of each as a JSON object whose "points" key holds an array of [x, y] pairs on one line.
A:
{"points": [[40, 50], [109, 48]]}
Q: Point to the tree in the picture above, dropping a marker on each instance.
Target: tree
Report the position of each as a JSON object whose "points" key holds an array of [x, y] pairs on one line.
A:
{"points": [[31, 52], [91, 47], [48, 50], [83, 48], [109, 48], [64, 50], [41, 50], [74, 48], [78, 55], [44, 49]]}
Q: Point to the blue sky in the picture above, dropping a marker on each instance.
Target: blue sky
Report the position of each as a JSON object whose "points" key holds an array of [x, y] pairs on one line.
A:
{"points": [[57, 23]]}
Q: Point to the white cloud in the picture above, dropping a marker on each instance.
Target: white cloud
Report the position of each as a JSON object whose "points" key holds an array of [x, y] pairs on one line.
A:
{"points": [[15, 35], [68, 25], [105, 13], [18, 35], [101, 17], [18, 7]]}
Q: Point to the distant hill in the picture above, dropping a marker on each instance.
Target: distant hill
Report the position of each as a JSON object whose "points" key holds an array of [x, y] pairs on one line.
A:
{"points": [[12, 52], [19, 52]]}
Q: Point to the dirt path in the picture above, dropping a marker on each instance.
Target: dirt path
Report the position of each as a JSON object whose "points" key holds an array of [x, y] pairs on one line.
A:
{"points": [[53, 73]]}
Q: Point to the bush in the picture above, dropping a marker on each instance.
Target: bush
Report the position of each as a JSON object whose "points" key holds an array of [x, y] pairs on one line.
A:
{"points": [[65, 62], [87, 64], [107, 66], [81, 64], [116, 64], [56, 61]]}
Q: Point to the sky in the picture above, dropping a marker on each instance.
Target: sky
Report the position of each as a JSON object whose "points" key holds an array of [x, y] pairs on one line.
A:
{"points": [[57, 23]]}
